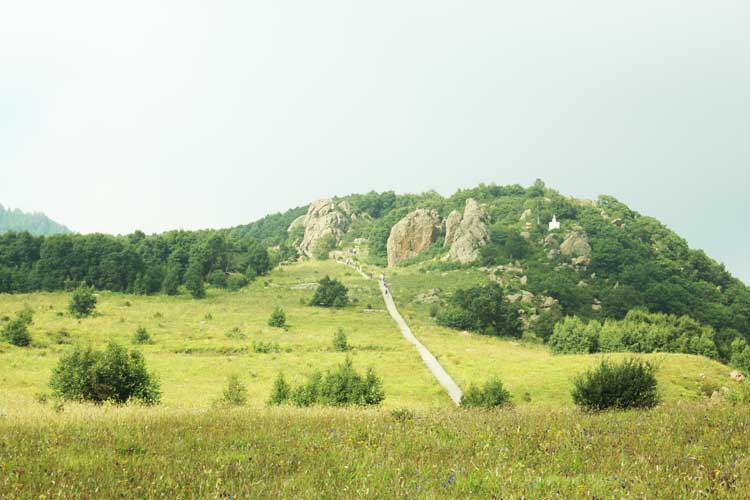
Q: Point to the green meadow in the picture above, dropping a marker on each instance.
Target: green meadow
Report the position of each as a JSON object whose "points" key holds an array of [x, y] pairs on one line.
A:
{"points": [[417, 444]]}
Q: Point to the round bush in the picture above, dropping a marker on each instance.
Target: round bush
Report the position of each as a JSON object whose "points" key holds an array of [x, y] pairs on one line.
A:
{"points": [[630, 384], [491, 395], [113, 374]]}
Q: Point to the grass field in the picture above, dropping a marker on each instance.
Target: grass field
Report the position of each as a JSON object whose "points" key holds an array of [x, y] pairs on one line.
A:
{"points": [[675, 451], [416, 445]]}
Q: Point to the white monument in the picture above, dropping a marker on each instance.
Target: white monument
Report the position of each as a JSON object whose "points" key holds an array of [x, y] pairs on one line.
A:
{"points": [[554, 223]]}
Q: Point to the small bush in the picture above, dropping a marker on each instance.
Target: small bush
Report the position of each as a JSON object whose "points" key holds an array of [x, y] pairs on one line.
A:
{"points": [[492, 395], [262, 347], [402, 414], [113, 374], [280, 392], [236, 282], [141, 336], [339, 341], [330, 293], [235, 394], [630, 384], [16, 330], [218, 279], [340, 387], [433, 311], [278, 318], [82, 302]]}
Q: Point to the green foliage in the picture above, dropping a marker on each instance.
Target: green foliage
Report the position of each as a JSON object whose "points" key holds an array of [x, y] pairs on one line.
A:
{"points": [[491, 395], [340, 387], [630, 384], [339, 341], [741, 356], [263, 347], [571, 335], [236, 282], [141, 336], [323, 246], [82, 302], [545, 324], [113, 374], [235, 393], [218, 278], [278, 318], [171, 283], [194, 282], [16, 331], [280, 392], [482, 309], [330, 293]]}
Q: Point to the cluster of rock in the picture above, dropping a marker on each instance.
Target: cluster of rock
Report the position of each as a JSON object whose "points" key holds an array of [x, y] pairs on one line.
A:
{"points": [[324, 217], [465, 234]]}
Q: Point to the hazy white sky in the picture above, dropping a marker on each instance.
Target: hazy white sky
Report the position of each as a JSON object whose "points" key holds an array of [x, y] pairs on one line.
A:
{"points": [[158, 115]]}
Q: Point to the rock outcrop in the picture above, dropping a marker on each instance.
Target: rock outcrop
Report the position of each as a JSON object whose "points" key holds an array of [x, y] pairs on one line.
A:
{"points": [[451, 226], [323, 217], [412, 235], [469, 234], [576, 244]]}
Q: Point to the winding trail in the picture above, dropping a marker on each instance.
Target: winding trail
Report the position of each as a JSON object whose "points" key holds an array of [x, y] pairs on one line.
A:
{"points": [[450, 386]]}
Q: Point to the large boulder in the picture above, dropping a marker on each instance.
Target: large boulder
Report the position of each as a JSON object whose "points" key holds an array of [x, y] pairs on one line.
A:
{"points": [[412, 235], [323, 217], [576, 244], [470, 234]]}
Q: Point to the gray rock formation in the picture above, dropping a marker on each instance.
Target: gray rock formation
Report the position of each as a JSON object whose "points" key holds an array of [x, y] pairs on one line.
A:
{"points": [[412, 235], [323, 217], [576, 244], [470, 234], [451, 225]]}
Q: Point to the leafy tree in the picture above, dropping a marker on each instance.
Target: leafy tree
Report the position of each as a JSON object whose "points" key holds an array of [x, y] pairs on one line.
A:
{"points": [[278, 318], [172, 280], [16, 331], [217, 279], [194, 282], [236, 282], [630, 384], [113, 374], [491, 395], [482, 309], [82, 302], [330, 293]]}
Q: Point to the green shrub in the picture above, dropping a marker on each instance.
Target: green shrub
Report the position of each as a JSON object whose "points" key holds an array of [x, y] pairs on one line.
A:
{"points": [[16, 331], [402, 414], [340, 387], [572, 335], [433, 311], [82, 302], [339, 341], [141, 336], [280, 392], [278, 318], [262, 347], [630, 384], [218, 279], [323, 246], [330, 293], [236, 282], [113, 374], [235, 394], [491, 395]]}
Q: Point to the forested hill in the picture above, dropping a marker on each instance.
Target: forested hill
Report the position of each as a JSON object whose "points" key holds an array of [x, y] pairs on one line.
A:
{"points": [[34, 223], [603, 260]]}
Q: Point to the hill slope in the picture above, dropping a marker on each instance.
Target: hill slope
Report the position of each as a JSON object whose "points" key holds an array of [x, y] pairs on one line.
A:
{"points": [[35, 223]]}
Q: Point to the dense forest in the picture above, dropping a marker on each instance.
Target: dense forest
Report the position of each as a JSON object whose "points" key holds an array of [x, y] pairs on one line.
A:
{"points": [[34, 223]]}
